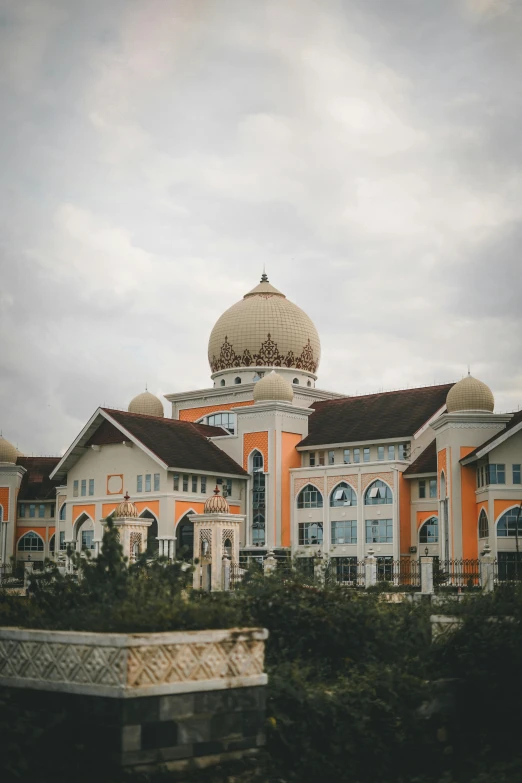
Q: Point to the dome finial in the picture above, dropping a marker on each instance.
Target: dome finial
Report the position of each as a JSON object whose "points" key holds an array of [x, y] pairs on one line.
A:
{"points": [[264, 276]]}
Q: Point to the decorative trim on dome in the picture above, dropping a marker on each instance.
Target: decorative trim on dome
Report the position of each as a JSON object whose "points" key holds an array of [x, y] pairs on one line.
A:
{"points": [[268, 356]]}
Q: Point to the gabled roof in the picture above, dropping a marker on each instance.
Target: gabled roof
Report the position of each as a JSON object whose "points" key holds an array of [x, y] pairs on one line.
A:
{"points": [[513, 426], [170, 442], [395, 414], [36, 483], [426, 462]]}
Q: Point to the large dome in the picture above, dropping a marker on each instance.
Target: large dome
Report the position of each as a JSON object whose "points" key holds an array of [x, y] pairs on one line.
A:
{"points": [[264, 329], [470, 394], [8, 452]]}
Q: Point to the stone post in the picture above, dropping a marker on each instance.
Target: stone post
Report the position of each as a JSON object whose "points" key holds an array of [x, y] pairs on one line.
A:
{"points": [[28, 570], [226, 572], [487, 570], [206, 566], [426, 567], [269, 563], [370, 569]]}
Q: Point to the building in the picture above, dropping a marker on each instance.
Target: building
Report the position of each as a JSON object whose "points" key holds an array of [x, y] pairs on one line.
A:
{"points": [[430, 470]]}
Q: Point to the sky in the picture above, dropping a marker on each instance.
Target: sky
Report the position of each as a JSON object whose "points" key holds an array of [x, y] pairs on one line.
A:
{"points": [[156, 154]]}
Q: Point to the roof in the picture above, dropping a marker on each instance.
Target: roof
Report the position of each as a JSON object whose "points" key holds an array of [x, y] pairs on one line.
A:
{"points": [[514, 424], [426, 462], [393, 414], [175, 443], [36, 484]]}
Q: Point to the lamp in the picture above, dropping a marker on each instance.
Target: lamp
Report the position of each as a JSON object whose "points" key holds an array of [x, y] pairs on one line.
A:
{"points": [[426, 551]]}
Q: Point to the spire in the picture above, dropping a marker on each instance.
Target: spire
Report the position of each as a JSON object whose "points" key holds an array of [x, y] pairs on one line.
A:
{"points": [[264, 276]]}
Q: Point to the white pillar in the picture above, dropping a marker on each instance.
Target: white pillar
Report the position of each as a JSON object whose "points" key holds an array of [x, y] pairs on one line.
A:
{"points": [[370, 569], [269, 563], [487, 570], [427, 575], [226, 572]]}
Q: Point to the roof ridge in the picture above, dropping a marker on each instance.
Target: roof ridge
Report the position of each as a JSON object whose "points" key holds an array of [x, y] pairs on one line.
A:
{"points": [[381, 394]]}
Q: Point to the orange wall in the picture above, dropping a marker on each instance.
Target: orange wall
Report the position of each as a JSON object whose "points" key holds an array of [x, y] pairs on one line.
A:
{"points": [[89, 509], [255, 440], [500, 507], [182, 506], [40, 530], [4, 501], [468, 483], [193, 414], [404, 514], [107, 508], [152, 505], [51, 531], [442, 466], [422, 516], [290, 458]]}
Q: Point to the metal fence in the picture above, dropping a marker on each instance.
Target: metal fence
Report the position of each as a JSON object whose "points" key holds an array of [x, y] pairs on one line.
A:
{"points": [[456, 573], [11, 577]]}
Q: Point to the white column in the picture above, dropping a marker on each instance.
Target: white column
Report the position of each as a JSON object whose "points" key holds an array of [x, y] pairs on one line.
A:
{"points": [[487, 570], [226, 572], [426, 565], [370, 569]]}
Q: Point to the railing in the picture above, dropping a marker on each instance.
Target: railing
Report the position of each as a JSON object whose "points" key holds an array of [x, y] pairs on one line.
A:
{"points": [[237, 573], [346, 571], [456, 573], [400, 573], [11, 577]]}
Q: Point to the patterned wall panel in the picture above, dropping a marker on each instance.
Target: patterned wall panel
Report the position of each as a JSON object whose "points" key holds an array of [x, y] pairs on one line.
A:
{"points": [[367, 479], [299, 483], [255, 440], [333, 480]]}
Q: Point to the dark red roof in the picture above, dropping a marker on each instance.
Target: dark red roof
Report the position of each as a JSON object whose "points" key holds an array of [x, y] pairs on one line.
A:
{"points": [[36, 484], [393, 414], [426, 462], [517, 418], [180, 444]]}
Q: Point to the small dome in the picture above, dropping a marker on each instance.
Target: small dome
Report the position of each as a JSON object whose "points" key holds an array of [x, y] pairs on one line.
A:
{"points": [[470, 394], [126, 509], [147, 404], [8, 452], [216, 504], [273, 387]]}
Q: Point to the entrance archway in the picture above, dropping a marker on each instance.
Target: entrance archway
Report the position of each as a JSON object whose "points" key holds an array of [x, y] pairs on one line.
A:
{"points": [[185, 537], [152, 532]]}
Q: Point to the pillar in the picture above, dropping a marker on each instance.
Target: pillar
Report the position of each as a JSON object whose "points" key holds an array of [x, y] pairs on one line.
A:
{"points": [[426, 567], [370, 569]]}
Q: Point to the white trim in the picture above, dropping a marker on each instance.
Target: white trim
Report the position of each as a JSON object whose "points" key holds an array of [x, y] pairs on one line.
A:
{"points": [[75, 443], [24, 535], [515, 505], [499, 439], [176, 523], [352, 443], [428, 423]]}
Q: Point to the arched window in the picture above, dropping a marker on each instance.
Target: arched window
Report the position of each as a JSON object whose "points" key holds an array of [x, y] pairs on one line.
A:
{"points": [[226, 420], [309, 383], [63, 509], [429, 532], [309, 497], [237, 380], [343, 495], [296, 381], [378, 493], [258, 499], [510, 523], [483, 524], [222, 382], [152, 531], [52, 544], [227, 546], [185, 537], [31, 542]]}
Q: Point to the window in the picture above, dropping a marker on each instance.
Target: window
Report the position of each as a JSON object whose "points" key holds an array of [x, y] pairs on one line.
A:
{"points": [[357, 455], [309, 497], [384, 569], [185, 482], [391, 452], [222, 382], [296, 381], [366, 455], [331, 457], [63, 545], [380, 452], [63, 510], [496, 474], [203, 485], [194, 483], [345, 569], [237, 380], [175, 484], [510, 523], [516, 474], [75, 488], [509, 566], [83, 488], [147, 482], [346, 456], [52, 544], [258, 500], [30, 542], [21, 510], [41, 511], [321, 458], [344, 532], [483, 524], [139, 483], [156, 482], [309, 383], [312, 459], [379, 531], [433, 488], [378, 493], [343, 495], [52, 511], [91, 486], [226, 420], [87, 539], [429, 532], [422, 488], [310, 533], [32, 510]]}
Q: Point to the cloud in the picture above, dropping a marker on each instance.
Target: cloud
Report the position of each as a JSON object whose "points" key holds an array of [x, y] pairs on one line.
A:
{"points": [[158, 155]]}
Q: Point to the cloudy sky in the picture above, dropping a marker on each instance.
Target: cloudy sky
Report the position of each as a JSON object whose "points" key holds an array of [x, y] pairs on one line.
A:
{"points": [[155, 154]]}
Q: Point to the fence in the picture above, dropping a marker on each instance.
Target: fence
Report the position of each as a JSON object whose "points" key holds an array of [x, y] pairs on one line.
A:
{"points": [[456, 573], [11, 577]]}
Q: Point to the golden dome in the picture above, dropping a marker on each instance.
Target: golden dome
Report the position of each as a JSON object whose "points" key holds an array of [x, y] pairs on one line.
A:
{"points": [[264, 329], [147, 404], [126, 509], [470, 394], [273, 387], [216, 504], [8, 452]]}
